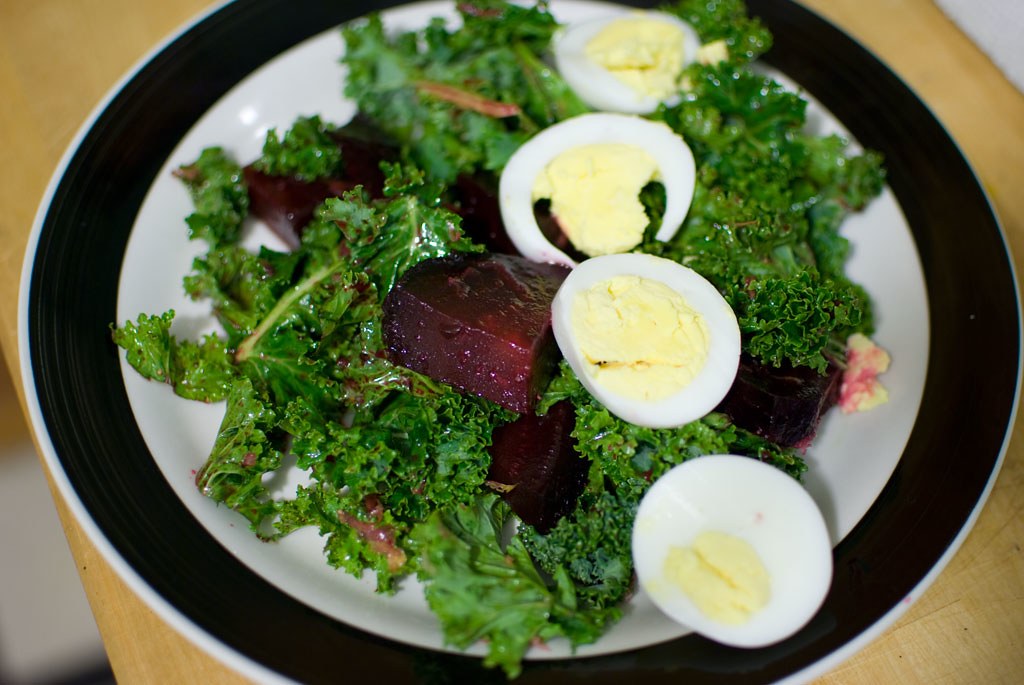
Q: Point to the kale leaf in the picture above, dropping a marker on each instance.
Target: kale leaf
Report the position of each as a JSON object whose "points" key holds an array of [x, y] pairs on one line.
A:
{"points": [[246, 448], [484, 587], [802, 319], [307, 151], [745, 36], [218, 192], [196, 370], [459, 101], [593, 546], [766, 212]]}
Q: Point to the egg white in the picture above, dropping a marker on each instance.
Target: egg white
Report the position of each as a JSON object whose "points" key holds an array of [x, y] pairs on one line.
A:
{"points": [[676, 168], [751, 500], [597, 86], [713, 380]]}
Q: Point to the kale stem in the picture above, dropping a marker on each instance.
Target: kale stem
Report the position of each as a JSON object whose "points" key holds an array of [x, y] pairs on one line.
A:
{"points": [[300, 289]]}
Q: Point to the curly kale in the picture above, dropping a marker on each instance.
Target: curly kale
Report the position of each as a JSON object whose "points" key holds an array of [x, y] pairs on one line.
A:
{"points": [[593, 545], [307, 151], [801, 319], [219, 197], [459, 101], [764, 222], [485, 586], [200, 370], [727, 20]]}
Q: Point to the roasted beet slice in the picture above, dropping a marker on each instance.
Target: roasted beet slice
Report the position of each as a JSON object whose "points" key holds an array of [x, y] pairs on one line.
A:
{"points": [[476, 201], [552, 230], [361, 154], [287, 204], [535, 466], [783, 404], [480, 322]]}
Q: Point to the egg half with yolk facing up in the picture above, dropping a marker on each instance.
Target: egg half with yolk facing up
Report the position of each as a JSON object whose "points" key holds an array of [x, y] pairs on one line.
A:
{"points": [[734, 549], [592, 169], [650, 339], [627, 62]]}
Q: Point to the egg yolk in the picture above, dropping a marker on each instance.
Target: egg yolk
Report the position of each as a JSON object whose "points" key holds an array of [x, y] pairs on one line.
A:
{"points": [[594, 192], [645, 54], [722, 574], [639, 338]]}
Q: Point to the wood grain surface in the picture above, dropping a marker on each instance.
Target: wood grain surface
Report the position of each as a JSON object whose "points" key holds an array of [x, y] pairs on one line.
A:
{"points": [[59, 57]]}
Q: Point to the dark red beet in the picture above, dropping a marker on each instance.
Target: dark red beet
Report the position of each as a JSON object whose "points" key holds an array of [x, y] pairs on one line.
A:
{"points": [[534, 464], [477, 204], [287, 204], [480, 322], [784, 405], [552, 230], [361, 157]]}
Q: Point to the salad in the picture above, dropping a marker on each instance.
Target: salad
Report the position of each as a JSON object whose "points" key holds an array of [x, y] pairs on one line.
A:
{"points": [[403, 467]]}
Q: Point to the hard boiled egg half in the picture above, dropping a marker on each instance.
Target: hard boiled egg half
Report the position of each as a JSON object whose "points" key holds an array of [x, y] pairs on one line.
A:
{"points": [[734, 549], [626, 62], [592, 168], [652, 340]]}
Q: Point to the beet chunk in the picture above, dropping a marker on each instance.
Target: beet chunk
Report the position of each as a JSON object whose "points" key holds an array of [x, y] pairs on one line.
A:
{"points": [[785, 404], [477, 203], [534, 464], [286, 204], [362, 151], [480, 322]]}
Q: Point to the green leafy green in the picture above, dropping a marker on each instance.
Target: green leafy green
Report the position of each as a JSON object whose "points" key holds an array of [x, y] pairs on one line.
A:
{"points": [[801, 320], [196, 370], [459, 101], [484, 588], [387, 238], [745, 36], [218, 191], [242, 453], [766, 213], [307, 151], [593, 545], [240, 286]]}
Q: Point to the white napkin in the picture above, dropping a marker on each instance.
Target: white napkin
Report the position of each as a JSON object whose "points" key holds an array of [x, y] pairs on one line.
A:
{"points": [[997, 27]]}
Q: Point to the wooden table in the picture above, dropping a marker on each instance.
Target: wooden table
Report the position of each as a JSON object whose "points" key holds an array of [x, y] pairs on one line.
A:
{"points": [[59, 57]]}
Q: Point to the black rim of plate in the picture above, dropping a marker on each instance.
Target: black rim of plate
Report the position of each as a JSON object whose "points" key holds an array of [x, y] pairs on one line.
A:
{"points": [[953, 451]]}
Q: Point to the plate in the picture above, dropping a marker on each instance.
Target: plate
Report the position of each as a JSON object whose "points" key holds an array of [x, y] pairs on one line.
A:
{"points": [[123, 450]]}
